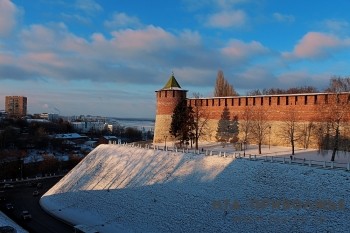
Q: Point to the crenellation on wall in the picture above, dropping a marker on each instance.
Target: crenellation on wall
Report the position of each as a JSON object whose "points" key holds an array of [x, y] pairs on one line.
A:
{"points": [[278, 107]]}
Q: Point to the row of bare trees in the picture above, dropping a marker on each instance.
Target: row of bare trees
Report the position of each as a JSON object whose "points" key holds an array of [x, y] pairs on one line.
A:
{"points": [[189, 123], [329, 129]]}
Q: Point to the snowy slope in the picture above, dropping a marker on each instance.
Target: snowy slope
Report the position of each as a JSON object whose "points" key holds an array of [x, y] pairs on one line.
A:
{"points": [[127, 189], [6, 221]]}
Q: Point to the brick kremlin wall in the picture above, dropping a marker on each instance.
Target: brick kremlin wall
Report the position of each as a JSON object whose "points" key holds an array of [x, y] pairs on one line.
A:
{"points": [[166, 102], [278, 108]]}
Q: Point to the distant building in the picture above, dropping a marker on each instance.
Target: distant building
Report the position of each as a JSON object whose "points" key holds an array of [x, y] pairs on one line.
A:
{"points": [[3, 114], [110, 127], [16, 106], [108, 139], [49, 116], [88, 126]]}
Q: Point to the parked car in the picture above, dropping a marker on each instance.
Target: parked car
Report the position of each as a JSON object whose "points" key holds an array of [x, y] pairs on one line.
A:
{"points": [[9, 206], [8, 186], [25, 215], [36, 193], [7, 229]]}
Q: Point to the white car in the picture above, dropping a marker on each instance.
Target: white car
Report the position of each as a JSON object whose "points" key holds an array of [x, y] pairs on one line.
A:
{"points": [[9, 206], [8, 186], [25, 215]]}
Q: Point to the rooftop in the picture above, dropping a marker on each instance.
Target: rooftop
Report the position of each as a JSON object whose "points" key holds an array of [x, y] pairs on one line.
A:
{"points": [[172, 84]]}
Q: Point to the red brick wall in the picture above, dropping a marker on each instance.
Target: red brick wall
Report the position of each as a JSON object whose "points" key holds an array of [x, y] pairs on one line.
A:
{"points": [[167, 100], [278, 106]]}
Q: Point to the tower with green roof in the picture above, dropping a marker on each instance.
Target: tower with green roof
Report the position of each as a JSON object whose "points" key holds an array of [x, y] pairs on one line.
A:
{"points": [[167, 99]]}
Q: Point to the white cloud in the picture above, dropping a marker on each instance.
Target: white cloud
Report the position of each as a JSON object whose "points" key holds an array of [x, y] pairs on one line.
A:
{"points": [[299, 78], [239, 50], [8, 14], [335, 25], [122, 20], [254, 77], [283, 17], [227, 19], [88, 6], [218, 4], [53, 52], [147, 39], [76, 17], [224, 4], [316, 45]]}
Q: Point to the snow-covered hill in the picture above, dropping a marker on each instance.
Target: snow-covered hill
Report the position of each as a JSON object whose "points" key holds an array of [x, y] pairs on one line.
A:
{"points": [[127, 189]]}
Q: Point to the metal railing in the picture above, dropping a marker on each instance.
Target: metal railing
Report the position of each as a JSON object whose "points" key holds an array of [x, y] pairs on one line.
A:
{"points": [[252, 157]]}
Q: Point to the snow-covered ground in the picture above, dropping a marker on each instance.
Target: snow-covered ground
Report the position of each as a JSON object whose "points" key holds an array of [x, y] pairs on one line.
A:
{"points": [[6, 221], [128, 189]]}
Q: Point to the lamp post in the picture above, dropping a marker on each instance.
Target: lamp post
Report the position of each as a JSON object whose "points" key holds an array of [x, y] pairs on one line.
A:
{"points": [[244, 143], [269, 137], [21, 168], [165, 137], [319, 139]]}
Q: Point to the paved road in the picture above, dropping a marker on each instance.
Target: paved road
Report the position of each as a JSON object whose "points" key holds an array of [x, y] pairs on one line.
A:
{"points": [[21, 196]]}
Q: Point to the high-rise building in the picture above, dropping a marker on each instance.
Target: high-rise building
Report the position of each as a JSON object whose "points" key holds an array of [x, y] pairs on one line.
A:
{"points": [[16, 106]]}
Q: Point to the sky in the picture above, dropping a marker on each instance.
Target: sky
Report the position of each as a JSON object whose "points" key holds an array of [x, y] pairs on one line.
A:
{"points": [[107, 58]]}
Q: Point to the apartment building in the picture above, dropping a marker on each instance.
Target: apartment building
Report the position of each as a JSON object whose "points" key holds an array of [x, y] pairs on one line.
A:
{"points": [[16, 106]]}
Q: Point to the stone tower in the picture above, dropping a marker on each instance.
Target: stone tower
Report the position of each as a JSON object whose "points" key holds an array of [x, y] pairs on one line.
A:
{"points": [[167, 99]]}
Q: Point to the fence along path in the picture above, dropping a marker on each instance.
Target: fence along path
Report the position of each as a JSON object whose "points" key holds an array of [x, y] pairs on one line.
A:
{"points": [[251, 157]]}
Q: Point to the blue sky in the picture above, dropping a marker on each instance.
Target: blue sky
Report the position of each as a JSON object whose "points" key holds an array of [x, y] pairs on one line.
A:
{"points": [[108, 57]]}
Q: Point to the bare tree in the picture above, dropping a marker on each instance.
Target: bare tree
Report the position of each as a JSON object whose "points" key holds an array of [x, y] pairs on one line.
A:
{"points": [[335, 113], [338, 84], [277, 91], [246, 124], [290, 130], [200, 119], [260, 126], [306, 132], [321, 131], [222, 87]]}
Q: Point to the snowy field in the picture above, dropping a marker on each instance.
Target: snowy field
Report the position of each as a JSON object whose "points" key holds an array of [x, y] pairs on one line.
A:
{"points": [[129, 189], [6, 221]]}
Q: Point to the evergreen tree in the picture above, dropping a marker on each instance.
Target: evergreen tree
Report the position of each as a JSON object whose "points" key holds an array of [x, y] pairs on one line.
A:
{"points": [[182, 123], [222, 133]]}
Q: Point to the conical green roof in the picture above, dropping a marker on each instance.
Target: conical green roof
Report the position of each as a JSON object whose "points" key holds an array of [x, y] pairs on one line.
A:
{"points": [[172, 83]]}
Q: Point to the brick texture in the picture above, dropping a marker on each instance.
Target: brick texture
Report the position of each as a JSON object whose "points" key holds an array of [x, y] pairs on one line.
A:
{"points": [[306, 107]]}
